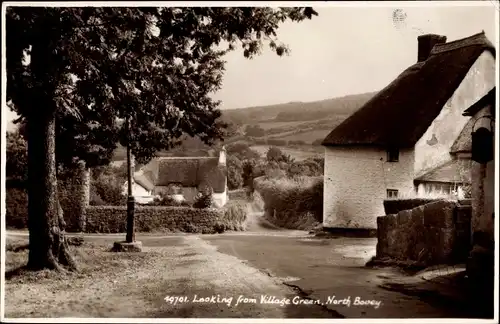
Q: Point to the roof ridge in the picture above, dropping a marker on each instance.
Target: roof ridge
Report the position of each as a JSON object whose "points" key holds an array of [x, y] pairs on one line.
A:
{"points": [[476, 39]]}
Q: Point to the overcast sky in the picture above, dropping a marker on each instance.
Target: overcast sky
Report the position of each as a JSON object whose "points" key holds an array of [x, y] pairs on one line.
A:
{"points": [[344, 51]]}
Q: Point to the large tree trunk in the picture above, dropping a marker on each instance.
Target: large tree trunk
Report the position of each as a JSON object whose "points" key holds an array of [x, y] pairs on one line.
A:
{"points": [[48, 248]]}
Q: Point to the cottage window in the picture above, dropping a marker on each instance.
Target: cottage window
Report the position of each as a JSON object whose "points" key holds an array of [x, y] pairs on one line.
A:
{"points": [[392, 155], [392, 193]]}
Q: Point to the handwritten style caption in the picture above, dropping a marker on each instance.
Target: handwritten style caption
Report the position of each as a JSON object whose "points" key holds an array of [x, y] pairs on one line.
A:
{"points": [[272, 300]]}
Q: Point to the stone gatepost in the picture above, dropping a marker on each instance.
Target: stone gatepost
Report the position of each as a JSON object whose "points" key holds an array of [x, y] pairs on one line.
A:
{"points": [[481, 262]]}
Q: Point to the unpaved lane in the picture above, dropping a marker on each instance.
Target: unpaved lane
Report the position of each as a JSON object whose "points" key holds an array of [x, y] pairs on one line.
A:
{"points": [[323, 268]]}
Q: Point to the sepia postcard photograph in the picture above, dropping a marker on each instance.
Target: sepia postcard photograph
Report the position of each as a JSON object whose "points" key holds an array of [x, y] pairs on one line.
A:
{"points": [[249, 162]]}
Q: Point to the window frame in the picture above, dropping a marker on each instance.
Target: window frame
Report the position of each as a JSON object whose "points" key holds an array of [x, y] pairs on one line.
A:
{"points": [[390, 193], [393, 155]]}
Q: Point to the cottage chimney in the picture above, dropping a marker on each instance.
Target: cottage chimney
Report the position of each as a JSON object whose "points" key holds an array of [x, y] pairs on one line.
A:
{"points": [[426, 43], [222, 156]]}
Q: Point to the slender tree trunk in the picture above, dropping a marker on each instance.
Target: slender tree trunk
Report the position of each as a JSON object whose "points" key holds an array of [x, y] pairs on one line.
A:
{"points": [[48, 248]]}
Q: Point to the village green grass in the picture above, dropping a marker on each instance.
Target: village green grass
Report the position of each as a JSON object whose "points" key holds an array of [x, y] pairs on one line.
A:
{"points": [[48, 293]]}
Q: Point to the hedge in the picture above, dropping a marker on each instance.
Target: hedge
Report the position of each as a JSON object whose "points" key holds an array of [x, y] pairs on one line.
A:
{"points": [[112, 219], [292, 203], [72, 197]]}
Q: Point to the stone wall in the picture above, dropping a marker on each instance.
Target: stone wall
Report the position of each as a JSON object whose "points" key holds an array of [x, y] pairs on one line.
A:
{"points": [[112, 219], [394, 206], [430, 234]]}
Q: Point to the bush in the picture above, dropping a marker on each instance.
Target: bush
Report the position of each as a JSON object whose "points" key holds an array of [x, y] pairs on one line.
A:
{"points": [[293, 203], [274, 154], [275, 173], [307, 167], [242, 151], [234, 172], [204, 198], [235, 213], [95, 199], [110, 193]]}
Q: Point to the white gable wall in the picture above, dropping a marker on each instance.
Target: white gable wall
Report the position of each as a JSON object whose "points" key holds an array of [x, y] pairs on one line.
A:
{"points": [[220, 199], [356, 181], [141, 194], [447, 126]]}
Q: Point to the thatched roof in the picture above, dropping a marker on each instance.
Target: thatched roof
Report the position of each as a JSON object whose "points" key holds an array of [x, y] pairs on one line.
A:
{"points": [[454, 171], [463, 143], [488, 99], [400, 113], [185, 171]]}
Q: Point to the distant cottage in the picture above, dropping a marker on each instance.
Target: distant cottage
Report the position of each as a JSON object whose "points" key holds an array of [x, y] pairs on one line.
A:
{"points": [[182, 178], [411, 136]]}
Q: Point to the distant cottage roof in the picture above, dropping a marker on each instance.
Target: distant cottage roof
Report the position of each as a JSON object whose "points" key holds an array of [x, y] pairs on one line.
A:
{"points": [[185, 171], [401, 112], [463, 143], [454, 171]]}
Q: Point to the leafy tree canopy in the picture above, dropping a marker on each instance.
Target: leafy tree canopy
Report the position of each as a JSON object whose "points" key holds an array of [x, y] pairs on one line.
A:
{"points": [[96, 66]]}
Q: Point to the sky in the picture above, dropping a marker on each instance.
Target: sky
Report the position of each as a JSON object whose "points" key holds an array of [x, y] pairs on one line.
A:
{"points": [[342, 51]]}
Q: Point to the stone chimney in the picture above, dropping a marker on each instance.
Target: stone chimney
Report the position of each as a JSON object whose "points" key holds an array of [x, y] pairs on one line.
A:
{"points": [[222, 156], [426, 43]]}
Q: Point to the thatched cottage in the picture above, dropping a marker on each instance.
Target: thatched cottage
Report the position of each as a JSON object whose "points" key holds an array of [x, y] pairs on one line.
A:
{"points": [[409, 136], [182, 178]]}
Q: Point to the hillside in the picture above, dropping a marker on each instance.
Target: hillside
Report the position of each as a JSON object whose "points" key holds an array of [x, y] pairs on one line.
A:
{"points": [[299, 111], [296, 125]]}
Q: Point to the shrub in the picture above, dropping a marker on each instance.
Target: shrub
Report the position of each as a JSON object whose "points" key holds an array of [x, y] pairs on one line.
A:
{"points": [[242, 151], [234, 172], [95, 199], [235, 213], [110, 193], [292, 203], [204, 198], [275, 173], [307, 167]]}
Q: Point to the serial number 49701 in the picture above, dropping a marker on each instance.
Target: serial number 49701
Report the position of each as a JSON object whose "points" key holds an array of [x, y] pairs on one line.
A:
{"points": [[176, 299]]}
